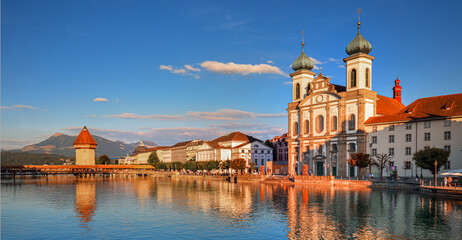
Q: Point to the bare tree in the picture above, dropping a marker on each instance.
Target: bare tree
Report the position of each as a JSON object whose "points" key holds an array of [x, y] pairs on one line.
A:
{"points": [[382, 160]]}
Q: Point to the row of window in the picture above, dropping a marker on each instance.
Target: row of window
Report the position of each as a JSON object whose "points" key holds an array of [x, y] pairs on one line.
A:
{"points": [[407, 150], [320, 124], [408, 164], [408, 137], [427, 124]]}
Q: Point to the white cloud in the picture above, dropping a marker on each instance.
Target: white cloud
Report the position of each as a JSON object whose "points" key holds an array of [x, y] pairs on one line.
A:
{"points": [[181, 71], [166, 67], [100, 99], [136, 116], [190, 68], [341, 66], [316, 67], [287, 83], [271, 115], [222, 114], [315, 61], [269, 61], [24, 106], [171, 136], [20, 107], [232, 114], [15, 144], [333, 60], [244, 69]]}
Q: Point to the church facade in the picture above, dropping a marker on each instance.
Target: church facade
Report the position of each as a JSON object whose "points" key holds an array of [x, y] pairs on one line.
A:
{"points": [[327, 121]]}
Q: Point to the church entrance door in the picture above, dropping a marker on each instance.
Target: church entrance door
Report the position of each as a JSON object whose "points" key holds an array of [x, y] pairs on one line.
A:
{"points": [[319, 169], [352, 171]]}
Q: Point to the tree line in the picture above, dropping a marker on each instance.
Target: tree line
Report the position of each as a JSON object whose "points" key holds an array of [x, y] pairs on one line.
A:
{"points": [[27, 158]]}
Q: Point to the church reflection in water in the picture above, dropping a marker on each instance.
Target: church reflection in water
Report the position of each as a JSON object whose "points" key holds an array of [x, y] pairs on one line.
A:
{"points": [[85, 200], [310, 212]]}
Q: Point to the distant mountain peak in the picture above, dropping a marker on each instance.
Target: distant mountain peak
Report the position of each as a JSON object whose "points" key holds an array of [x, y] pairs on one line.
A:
{"points": [[60, 143]]}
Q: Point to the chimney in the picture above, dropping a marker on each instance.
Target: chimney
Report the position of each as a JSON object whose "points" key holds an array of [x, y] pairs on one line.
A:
{"points": [[397, 90]]}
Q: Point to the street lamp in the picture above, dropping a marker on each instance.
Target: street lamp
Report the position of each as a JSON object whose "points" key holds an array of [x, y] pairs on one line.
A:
{"points": [[436, 165]]}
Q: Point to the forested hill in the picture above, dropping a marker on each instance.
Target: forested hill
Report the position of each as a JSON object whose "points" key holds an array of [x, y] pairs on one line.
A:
{"points": [[27, 158]]}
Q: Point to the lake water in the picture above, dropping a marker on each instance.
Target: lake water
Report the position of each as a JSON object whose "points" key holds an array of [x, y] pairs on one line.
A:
{"points": [[165, 208]]}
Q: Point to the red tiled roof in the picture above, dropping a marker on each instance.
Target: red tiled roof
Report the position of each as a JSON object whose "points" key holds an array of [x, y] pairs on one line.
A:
{"points": [[234, 136], [388, 106], [431, 107], [85, 138], [181, 144], [213, 144]]}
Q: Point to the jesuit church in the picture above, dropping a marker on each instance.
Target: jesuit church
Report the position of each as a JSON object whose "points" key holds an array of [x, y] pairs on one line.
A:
{"points": [[328, 122]]}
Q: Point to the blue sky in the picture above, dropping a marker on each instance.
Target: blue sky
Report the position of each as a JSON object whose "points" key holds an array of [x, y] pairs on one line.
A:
{"points": [[169, 71]]}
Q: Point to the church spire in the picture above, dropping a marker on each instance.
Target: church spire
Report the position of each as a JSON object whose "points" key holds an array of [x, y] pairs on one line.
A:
{"points": [[359, 44], [303, 61]]}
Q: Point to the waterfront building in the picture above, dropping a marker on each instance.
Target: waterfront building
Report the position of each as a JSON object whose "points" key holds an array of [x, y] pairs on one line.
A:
{"points": [[279, 165], [425, 123], [212, 151], [167, 154], [234, 139], [192, 147], [255, 151], [179, 152], [85, 147], [328, 122]]}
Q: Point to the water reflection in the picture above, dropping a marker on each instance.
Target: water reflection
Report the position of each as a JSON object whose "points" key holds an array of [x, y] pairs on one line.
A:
{"points": [[85, 200], [179, 207]]}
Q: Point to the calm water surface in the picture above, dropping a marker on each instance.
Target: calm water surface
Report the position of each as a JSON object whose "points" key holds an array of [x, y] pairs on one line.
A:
{"points": [[165, 208]]}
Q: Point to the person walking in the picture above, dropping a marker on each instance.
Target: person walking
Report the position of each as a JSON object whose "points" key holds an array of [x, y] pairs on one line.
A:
{"points": [[450, 181], [445, 181]]}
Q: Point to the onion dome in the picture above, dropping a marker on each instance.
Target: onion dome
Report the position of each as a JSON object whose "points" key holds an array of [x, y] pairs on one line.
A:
{"points": [[359, 44], [303, 61]]}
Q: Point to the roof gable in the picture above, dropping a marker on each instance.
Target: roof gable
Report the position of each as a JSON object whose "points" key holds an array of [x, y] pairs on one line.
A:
{"points": [[85, 138]]}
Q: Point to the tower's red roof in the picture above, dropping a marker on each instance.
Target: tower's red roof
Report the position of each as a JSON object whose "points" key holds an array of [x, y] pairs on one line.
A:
{"points": [[85, 138]]}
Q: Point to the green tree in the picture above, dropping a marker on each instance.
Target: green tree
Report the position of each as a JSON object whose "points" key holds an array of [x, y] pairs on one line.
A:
{"points": [[238, 164], [269, 144], [104, 159], [381, 160], [190, 165], [360, 160], [225, 165], [153, 158], [426, 159]]}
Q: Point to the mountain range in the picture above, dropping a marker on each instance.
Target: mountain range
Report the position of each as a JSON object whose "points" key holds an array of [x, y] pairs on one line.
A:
{"points": [[62, 144]]}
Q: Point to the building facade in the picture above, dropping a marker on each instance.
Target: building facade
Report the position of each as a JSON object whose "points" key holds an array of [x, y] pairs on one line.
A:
{"points": [[327, 122], [425, 123], [85, 147]]}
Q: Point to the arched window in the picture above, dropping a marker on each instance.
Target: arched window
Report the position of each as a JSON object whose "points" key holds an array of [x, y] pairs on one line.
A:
{"points": [[334, 123], [353, 78], [308, 89], [297, 91], [352, 122], [368, 79], [307, 126], [295, 128], [319, 123]]}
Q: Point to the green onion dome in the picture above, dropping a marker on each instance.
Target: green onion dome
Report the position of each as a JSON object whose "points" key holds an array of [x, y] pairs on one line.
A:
{"points": [[302, 62], [358, 45]]}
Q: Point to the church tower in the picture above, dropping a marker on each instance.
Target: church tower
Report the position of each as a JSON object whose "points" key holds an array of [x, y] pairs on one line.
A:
{"points": [[302, 77], [397, 90], [359, 63], [85, 147]]}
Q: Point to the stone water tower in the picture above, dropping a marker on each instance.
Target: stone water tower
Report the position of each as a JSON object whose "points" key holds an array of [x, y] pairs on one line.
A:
{"points": [[85, 147]]}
